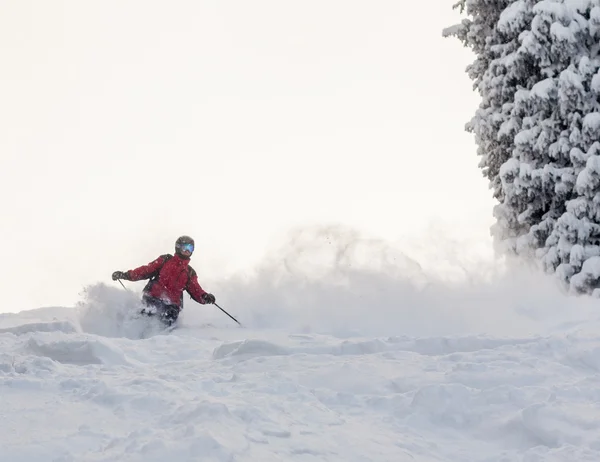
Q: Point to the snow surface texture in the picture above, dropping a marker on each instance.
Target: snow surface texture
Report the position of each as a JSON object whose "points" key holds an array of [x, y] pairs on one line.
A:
{"points": [[508, 371]]}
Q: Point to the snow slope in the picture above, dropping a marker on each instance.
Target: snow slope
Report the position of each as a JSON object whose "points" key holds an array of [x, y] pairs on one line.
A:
{"points": [[93, 383]]}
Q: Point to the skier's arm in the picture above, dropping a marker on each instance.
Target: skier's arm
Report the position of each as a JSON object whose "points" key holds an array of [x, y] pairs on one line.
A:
{"points": [[195, 290], [144, 272]]}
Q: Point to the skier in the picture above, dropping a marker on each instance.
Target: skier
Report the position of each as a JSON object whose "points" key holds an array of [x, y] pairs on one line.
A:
{"points": [[169, 276]]}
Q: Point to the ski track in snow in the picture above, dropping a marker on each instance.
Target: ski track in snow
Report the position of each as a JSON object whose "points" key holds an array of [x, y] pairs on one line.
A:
{"points": [[229, 394]]}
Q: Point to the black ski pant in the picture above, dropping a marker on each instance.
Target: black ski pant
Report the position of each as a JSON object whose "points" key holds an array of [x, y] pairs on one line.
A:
{"points": [[167, 313]]}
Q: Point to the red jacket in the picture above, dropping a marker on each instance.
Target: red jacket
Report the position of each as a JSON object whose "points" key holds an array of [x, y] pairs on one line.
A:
{"points": [[171, 275]]}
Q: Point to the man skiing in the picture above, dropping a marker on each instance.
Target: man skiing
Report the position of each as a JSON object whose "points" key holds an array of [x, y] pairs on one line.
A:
{"points": [[169, 276]]}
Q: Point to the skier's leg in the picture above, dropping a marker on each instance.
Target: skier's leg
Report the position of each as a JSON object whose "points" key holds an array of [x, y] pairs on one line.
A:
{"points": [[169, 314], [152, 305]]}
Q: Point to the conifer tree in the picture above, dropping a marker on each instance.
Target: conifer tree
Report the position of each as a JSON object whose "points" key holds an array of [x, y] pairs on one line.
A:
{"points": [[538, 128]]}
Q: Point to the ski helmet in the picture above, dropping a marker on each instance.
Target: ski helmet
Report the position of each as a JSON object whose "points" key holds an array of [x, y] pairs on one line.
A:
{"points": [[184, 241]]}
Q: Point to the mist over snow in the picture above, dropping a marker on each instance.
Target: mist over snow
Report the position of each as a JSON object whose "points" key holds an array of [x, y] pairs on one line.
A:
{"points": [[351, 350], [335, 280]]}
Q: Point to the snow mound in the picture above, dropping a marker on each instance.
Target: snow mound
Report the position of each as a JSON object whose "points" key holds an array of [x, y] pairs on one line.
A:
{"points": [[78, 351], [67, 327], [191, 445], [438, 346], [430, 346], [249, 349]]}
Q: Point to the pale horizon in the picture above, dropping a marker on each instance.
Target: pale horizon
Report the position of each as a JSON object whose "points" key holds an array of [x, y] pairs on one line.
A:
{"points": [[127, 125]]}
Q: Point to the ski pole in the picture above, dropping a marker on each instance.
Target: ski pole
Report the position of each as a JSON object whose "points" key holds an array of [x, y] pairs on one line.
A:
{"points": [[226, 313]]}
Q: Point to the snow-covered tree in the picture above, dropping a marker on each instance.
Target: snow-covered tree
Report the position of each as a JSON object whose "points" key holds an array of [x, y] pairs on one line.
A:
{"points": [[538, 127]]}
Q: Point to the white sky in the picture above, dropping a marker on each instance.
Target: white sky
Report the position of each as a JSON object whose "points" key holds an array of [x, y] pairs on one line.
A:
{"points": [[127, 124]]}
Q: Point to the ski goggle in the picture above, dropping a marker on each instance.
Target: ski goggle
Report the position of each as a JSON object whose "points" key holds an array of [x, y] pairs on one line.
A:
{"points": [[186, 247]]}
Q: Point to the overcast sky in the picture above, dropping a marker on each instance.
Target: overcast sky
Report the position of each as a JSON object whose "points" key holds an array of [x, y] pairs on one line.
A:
{"points": [[127, 124]]}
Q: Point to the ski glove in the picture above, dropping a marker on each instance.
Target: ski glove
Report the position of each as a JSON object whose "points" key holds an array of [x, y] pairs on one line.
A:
{"points": [[208, 298], [120, 275]]}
